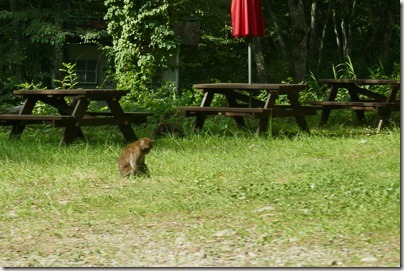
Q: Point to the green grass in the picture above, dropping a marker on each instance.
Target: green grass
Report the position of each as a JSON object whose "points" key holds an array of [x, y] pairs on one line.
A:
{"points": [[253, 198]]}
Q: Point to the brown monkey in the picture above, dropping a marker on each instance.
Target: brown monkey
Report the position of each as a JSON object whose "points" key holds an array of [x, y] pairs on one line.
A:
{"points": [[164, 128], [132, 159]]}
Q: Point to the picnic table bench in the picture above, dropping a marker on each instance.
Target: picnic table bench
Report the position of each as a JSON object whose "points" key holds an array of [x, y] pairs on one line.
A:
{"points": [[240, 105], [72, 116], [361, 99]]}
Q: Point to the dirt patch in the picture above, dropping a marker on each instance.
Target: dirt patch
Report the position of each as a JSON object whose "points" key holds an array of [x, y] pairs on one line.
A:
{"points": [[166, 246]]}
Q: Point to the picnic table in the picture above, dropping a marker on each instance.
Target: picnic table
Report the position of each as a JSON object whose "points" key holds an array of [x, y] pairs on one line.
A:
{"points": [[361, 99], [73, 112], [242, 102]]}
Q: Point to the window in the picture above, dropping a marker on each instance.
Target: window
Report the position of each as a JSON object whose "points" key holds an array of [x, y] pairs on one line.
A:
{"points": [[86, 71]]}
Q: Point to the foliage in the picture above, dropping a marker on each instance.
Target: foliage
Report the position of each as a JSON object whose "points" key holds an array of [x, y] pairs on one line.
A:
{"points": [[6, 96], [69, 81], [32, 86], [40, 107], [142, 40], [162, 101], [344, 70], [315, 90], [379, 72], [32, 33]]}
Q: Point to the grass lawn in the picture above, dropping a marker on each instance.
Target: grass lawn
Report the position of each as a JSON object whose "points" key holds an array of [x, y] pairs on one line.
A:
{"points": [[331, 198]]}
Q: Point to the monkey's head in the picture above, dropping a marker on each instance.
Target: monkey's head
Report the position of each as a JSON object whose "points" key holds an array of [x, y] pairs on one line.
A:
{"points": [[145, 145]]}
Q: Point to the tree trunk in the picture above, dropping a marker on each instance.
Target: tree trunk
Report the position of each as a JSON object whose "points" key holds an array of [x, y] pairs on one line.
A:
{"points": [[58, 53], [337, 37], [18, 41], [320, 50], [274, 20], [259, 60], [299, 39], [58, 56], [346, 30], [350, 37], [387, 33], [313, 48]]}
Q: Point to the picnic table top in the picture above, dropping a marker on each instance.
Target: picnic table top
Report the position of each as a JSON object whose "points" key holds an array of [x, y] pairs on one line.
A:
{"points": [[247, 86], [101, 93], [361, 81]]}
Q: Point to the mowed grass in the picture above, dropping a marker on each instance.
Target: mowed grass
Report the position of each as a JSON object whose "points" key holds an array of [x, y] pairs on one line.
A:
{"points": [[331, 198]]}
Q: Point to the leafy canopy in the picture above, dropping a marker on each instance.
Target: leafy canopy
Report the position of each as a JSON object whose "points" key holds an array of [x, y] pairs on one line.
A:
{"points": [[142, 40]]}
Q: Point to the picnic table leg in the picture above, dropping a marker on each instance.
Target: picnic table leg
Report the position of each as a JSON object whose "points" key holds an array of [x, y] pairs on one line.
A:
{"points": [[19, 126], [232, 102], [64, 109], [384, 112], [300, 118], [360, 114], [70, 133], [393, 93], [200, 118], [199, 121], [263, 122], [125, 128], [325, 114]]}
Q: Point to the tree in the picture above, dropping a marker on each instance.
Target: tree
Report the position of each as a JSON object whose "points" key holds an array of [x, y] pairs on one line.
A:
{"points": [[299, 39], [34, 33], [301, 35], [366, 31], [142, 40]]}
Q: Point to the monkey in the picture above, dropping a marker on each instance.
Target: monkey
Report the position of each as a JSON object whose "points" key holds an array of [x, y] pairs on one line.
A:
{"points": [[164, 128], [131, 162]]}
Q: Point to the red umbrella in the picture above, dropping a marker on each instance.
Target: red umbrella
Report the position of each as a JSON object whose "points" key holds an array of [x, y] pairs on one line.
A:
{"points": [[246, 18], [247, 21]]}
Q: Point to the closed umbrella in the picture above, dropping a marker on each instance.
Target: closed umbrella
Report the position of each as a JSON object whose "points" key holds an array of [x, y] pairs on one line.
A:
{"points": [[247, 21]]}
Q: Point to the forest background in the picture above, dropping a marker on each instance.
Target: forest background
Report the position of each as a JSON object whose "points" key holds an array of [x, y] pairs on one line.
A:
{"points": [[304, 39]]}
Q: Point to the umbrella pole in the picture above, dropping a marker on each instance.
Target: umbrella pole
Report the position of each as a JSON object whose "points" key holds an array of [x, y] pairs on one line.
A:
{"points": [[249, 70], [249, 63]]}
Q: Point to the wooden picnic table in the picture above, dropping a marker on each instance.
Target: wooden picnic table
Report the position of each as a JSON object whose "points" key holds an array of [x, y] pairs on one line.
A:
{"points": [[361, 99], [242, 102], [73, 112]]}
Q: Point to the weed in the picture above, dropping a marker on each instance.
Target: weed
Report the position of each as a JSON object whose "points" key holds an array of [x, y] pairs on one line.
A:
{"points": [[70, 80]]}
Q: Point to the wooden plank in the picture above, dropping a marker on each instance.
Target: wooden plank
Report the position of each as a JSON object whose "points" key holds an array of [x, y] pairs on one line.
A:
{"points": [[220, 109], [251, 88], [55, 121], [384, 106], [34, 117], [120, 120], [242, 109], [126, 113], [73, 92], [89, 120], [246, 86], [133, 117], [376, 96], [343, 103], [278, 111], [368, 106], [361, 81]]}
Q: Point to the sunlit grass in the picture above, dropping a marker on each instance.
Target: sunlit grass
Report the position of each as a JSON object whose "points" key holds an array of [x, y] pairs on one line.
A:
{"points": [[335, 189]]}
